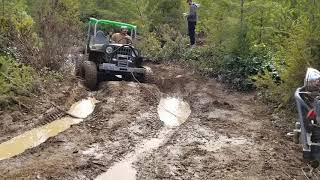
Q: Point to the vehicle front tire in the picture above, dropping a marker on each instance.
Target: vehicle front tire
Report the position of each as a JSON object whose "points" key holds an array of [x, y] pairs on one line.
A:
{"points": [[140, 77], [127, 77], [90, 74]]}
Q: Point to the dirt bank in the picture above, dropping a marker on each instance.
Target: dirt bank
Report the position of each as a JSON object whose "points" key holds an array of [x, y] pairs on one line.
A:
{"points": [[229, 135]]}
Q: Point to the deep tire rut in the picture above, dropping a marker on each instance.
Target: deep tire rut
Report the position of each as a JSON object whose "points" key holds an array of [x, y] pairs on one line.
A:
{"points": [[229, 135]]}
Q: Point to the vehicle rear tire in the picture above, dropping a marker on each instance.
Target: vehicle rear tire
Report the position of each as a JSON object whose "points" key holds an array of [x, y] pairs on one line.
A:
{"points": [[78, 65], [90, 74]]}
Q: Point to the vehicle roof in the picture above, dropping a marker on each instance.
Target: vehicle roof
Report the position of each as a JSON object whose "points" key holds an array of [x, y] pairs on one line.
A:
{"points": [[113, 23]]}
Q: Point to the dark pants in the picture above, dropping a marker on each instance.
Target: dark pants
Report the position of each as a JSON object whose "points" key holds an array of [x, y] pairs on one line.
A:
{"points": [[192, 33]]}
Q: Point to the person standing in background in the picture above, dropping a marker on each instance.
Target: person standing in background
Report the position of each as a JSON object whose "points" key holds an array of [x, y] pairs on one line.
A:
{"points": [[192, 22]]}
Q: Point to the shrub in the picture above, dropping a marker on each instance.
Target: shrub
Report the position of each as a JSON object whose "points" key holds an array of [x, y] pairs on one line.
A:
{"points": [[174, 49], [15, 79], [169, 45], [236, 70], [297, 52], [17, 33], [150, 46], [206, 59], [165, 45]]}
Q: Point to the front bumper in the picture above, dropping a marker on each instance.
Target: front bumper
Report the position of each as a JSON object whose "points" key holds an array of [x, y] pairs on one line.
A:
{"points": [[109, 67]]}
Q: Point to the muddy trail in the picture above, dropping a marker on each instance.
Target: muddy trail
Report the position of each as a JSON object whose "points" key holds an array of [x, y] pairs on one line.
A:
{"points": [[200, 130]]}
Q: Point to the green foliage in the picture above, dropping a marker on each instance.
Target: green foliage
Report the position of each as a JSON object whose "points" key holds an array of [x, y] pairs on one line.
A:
{"points": [[4, 30], [167, 44], [58, 25], [165, 12], [266, 44], [173, 49], [146, 14], [15, 79], [17, 34], [237, 70], [150, 46], [16, 26], [298, 50], [206, 59]]}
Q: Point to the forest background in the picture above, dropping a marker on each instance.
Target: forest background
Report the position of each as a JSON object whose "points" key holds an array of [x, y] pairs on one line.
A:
{"points": [[251, 45]]}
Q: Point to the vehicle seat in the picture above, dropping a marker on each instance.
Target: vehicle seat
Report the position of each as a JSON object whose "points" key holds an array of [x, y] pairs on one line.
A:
{"points": [[100, 38]]}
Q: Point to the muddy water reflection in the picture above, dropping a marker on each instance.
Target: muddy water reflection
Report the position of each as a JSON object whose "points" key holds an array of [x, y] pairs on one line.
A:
{"points": [[121, 171], [39, 135], [124, 170], [173, 111]]}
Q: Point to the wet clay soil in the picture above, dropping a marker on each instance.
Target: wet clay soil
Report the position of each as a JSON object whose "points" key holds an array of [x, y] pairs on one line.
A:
{"points": [[37, 136], [227, 135]]}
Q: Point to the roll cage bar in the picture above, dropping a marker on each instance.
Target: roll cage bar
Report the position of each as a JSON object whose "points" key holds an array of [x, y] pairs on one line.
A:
{"points": [[95, 22]]}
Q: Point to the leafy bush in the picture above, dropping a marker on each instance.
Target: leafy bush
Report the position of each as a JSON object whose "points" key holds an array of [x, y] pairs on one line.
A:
{"points": [[206, 59], [17, 32], [150, 46], [269, 90], [58, 25], [297, 53], [167, 44], [174, 49], [231, 69], [236, 70], [241, 72], [15, 79]]}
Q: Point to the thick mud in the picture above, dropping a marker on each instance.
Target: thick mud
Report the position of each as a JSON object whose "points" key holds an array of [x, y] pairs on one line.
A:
{"points": [[36, 136], [221, 135]]}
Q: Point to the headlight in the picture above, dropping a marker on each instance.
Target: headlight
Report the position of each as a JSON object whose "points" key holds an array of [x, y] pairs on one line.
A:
{"points": [[109, 50], [312, 80]]}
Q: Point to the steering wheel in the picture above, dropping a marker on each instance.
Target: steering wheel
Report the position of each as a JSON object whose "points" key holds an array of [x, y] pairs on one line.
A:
{"points": [[130, 41]]}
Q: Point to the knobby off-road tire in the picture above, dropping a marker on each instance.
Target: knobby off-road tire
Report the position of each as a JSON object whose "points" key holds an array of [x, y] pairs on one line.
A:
{"points": [[90, 74], [78, 65]]}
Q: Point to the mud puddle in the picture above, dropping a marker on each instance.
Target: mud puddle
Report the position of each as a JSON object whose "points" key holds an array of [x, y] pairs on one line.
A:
{"points": [[37, 136], [124, 169], [173, 111]]}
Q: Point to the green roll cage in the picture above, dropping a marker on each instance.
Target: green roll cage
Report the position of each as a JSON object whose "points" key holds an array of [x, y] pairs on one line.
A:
{"points": [[95, 22]]}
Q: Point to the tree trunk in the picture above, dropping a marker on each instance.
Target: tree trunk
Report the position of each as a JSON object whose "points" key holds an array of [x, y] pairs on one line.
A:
{"points": [[313, 16], [141, 15], [3, 7], [261, 28], [242, 14]]}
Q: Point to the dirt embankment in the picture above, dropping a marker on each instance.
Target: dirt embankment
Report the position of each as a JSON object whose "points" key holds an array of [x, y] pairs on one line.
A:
{"points": [[228, 135]]}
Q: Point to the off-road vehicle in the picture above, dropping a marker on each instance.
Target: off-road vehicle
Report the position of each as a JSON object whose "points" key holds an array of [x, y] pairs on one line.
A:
{"points": [[109, 58]]}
